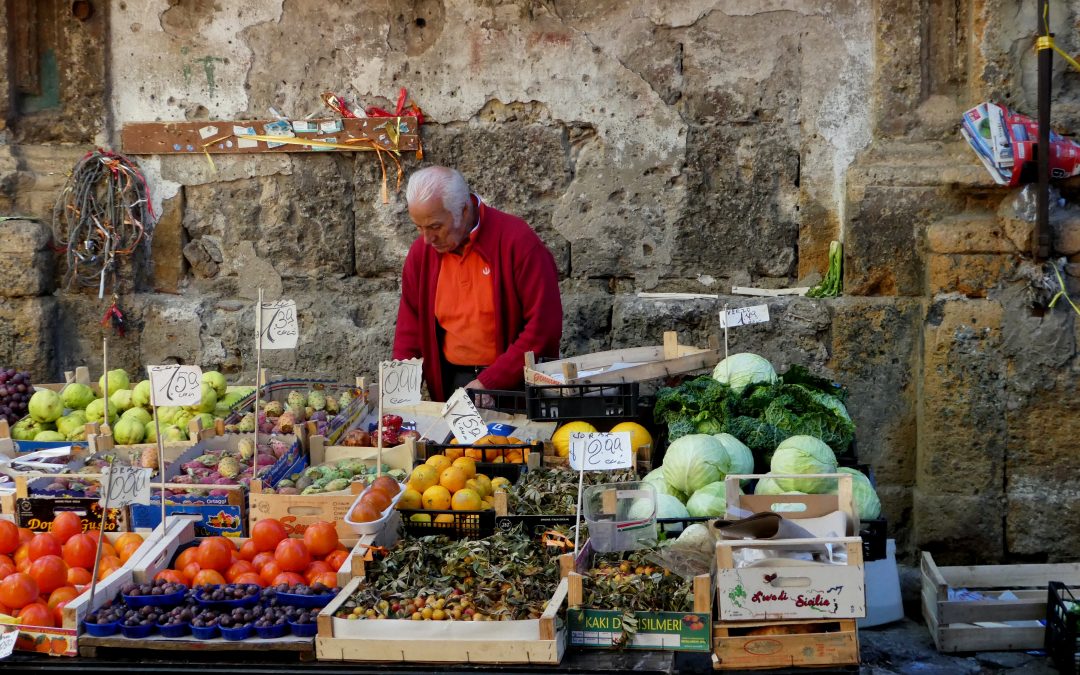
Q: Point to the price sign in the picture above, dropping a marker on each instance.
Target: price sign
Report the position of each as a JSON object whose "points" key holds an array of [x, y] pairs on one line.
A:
{"points": [[600, 451], [279, 329], [744, 316], [464, 420], [175, 385], [125, 485], [401, 381], [7, 642]]}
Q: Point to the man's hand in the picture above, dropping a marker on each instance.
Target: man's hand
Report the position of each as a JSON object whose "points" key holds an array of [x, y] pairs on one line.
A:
{"points": [[483, 401]]}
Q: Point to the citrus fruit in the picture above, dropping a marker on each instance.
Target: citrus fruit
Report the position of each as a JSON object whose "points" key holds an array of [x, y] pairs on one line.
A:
{"points": [[561, 437], [454, 453], [410, 500], [436, 498], [420, 518], [453, 478], [444, 518], [475, 486], [500, 483], [423, 477], [485, 483], [639, 435], [466, 500], [466, 464], [440, 462]]}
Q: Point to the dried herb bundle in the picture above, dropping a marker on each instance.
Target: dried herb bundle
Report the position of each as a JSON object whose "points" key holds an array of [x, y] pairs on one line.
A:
{"points": [[555, 491], [631, 582]]}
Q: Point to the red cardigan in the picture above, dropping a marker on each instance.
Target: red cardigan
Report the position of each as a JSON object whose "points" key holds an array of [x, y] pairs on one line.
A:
{"points": [[528, 308]]}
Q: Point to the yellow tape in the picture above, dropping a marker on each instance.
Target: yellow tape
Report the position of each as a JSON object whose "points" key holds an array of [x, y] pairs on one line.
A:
{"points": [[292, 140], [1047, 42]]}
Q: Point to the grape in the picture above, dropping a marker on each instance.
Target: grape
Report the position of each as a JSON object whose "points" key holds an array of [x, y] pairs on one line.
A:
{"points": [[15, 391]]}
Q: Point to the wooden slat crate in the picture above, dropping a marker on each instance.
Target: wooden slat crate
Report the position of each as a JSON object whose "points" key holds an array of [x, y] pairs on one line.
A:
{"points": [[977, 625], [832, 643]]}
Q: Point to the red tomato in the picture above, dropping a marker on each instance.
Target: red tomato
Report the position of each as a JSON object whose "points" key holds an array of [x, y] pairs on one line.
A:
{"points": [[50, 573], [66, 525], [267, 533], [321, 538], [292, 555], [44, 543]]}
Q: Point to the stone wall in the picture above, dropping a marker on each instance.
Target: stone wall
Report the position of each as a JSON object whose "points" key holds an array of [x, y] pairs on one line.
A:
{"points": [[662, 146]]}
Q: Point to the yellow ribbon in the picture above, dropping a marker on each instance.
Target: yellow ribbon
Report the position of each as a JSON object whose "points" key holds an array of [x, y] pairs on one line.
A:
{"points": [[292, 140], [1047, 42]]}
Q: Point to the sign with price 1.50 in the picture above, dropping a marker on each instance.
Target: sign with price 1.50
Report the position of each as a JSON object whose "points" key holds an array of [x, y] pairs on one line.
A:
{"points": [[464, 419], [744, 316], [600, 451], [175, 385], [125, 485], [279, 328]]}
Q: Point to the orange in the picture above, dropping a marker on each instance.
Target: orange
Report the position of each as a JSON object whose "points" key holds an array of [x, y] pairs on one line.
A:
{"points": [[125, 538], [436, 498], [410, 500], [467, 465], [485, 485], [78, 576], [474, 453], [423, 477], [466, 500], [440, 462], [454, 453], [474, 485], [125, 551], [452, 478]]}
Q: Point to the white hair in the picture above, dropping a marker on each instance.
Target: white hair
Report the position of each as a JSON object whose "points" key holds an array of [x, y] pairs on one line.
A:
{"points": [[441, 181]]}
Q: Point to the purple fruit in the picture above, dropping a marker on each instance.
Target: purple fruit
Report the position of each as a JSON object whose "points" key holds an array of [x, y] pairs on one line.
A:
{"points": [[214, 474], [206, 480], [225, 481], [183, 480], [219, 493]]}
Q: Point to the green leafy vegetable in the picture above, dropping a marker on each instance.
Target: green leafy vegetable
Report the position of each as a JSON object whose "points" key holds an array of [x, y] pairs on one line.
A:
{"points": [[830, 285]]}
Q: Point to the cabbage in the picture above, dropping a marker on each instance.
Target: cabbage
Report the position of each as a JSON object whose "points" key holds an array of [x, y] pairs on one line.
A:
{"points": [[739, 370], [696, 537], [766, 485], [709, 426], [740, 456], [656, 479], [708, 502], [867, 504], [46, 406], [694, 461], [804, 455]]}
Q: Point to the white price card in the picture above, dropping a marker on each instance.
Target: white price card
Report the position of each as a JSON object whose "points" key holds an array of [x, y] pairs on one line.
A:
{"points": [[279, 328], [7, 642], [600, 451], [464, 419], [401, 381], [744, 316], [175, 385], [125, 485]]}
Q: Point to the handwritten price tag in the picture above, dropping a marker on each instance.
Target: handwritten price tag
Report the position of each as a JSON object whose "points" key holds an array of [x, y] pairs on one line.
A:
{"points": [[744, 316], [279, 329], [175, 385], [7, 642], [464, 420], [600, 451], [401, 381], [125, 485]]}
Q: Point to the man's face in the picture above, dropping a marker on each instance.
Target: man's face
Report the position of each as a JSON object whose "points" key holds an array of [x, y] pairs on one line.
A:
{"points": [[439, 228]]}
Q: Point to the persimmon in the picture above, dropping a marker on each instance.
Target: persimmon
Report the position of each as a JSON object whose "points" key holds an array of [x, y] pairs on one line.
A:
{"points": [[228, 541], [171, 576], [78, 576], [190, 571], [320, 538], [25, 535], [62, 594], [337, 558], [247, 550], [186, 557], [316, 567], [9, 537], [267, 534], [36, 614], [290, 578], [213, 554], [66, 525], [125, 551], [208, 578], [80, 550], [44, 543], [269, 571], [261, 559], [249, 578], [328, 579], [237, 568], [50, 573], [126, 537], [292, 555], [389, 485], [18, 590]]}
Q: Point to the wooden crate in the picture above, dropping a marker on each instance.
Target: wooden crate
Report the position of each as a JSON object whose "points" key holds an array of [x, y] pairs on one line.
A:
{"points": [[539, 641], [297, 512], [977, 625], [63, 640], [833, 643]]}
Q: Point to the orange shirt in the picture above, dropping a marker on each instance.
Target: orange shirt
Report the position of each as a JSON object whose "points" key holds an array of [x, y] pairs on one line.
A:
{"points": [[465, 307]]}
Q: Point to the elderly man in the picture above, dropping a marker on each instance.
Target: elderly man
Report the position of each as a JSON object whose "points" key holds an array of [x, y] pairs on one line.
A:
{"points": [[478, 290]]}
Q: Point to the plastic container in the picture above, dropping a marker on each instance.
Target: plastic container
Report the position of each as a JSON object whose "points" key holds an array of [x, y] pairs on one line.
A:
{"points": [[136, 632], [175, 630], [1063, 628], [237, 633], [471, 524], [205, 632], [375, 526], [304, 629], [883, 602], [582, 401], [272, 632], [101, 629], [223, 604], [167, 600], [297, 600], [621, 516]]}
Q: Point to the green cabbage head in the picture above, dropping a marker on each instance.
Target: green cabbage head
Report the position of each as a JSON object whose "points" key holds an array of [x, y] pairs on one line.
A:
{"points": [[804, 455], [742, 458], [740, 370], [694, 461], [656, 479], [708, 502], [867, 504]]}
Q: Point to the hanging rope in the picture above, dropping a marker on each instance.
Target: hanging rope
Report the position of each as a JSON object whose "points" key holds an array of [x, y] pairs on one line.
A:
{"points": [[103, 212]]}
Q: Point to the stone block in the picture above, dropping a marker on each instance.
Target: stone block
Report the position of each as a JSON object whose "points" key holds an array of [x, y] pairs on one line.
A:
{"points": [[166, 250], [587, 315], [26, 274], [1067, 235], [171, 331], [26, 341], [874, 349], [970, 275], [961, 422], [1040, 521], [959, 530], [968, 236], [23, 237], [79, 333]]}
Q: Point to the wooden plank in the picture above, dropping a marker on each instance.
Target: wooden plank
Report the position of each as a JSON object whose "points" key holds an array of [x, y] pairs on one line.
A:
{"points": [[970, 611], [757, 652], [966, 638], [671, 345], [1010, 576], [325, 620], [576, 593], [551, 613], [186, 138], [769, 292], [288, 643], [298, 512], [541, 652], [703, 585]]}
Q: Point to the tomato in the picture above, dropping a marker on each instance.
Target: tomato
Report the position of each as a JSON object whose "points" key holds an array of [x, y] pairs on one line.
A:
{"points": [[208, 578], [18, 590], [268, 572], [316, 567], [237, 568], [261, 559], [126, 550], [80, 550], [186, 557], [9, 537], [267, 534], [336, 559], [290, 578], [78, 576], [44, 543], [328, 579], [292, 555], [228, 541], [58, 612], [213, 554], [25, 535], [62, 594], [171, 576], [50, 573], [247, 551], [66, 525], [249, 578], [36, 614], [190, 571], [321, 538]]}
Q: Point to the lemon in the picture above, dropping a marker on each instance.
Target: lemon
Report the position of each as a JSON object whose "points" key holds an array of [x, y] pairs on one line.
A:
{"points": [[639, 435], [561, 438], [499, 483]]}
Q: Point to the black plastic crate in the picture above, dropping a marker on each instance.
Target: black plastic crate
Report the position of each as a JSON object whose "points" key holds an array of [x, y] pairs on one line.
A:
{"points": [[458, 524], [567, 402], [1063, 627], [875, 535], [537, 524], [506, 401], [491, 453]]}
